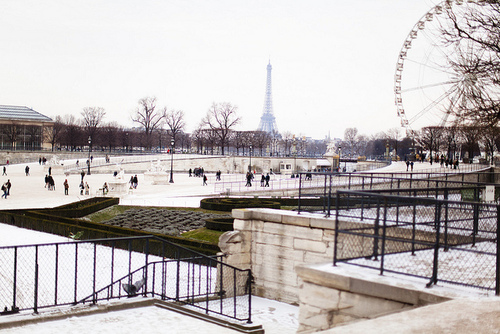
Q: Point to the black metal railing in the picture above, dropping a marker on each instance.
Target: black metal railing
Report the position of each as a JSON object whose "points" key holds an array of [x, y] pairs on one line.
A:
{"points": [[326, 184], [69, 273], [436, 239]]}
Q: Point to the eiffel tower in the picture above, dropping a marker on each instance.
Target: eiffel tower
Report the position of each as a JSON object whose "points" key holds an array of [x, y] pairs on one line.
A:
{"points": [[267, 120]]}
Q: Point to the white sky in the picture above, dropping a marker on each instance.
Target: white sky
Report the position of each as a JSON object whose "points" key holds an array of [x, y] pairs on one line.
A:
{"points": [[333, 61]]}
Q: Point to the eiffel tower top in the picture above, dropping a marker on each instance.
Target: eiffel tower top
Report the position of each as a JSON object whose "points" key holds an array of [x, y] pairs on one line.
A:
{"points": [[267, 120]]}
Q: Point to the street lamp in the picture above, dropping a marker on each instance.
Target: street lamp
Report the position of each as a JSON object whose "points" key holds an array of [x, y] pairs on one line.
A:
{"points": [[250, 165], [172, 142], [88, 161], [294, 156]]}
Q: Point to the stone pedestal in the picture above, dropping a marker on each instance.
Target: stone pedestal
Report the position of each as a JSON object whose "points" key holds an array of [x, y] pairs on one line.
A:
{"points": [[157, 177], [118, 186]]}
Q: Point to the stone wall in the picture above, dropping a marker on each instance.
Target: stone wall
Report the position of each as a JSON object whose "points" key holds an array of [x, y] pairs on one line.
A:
{"points": [[330, 297], [272, 242], [283, 250]]}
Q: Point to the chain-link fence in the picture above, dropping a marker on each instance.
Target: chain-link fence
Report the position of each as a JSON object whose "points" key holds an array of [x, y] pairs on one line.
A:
{"points": [[436, 239], [41, 276], [320, 192]]}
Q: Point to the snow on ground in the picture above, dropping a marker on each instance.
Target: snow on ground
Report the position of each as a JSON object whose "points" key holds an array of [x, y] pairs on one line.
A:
{"points": [[29, 192]]}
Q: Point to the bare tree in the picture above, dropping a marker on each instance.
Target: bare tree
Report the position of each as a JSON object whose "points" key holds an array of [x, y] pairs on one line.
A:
{"points": [[430, 138], [92, 119], [471, 35], [175, 122], [221, 118], [350, 141], [470, 138], [393, 135], [489, 137], [72, 135], [287, 139], [54, 134], [261, 139], [109, 135], [11, 131], [149, 117]]}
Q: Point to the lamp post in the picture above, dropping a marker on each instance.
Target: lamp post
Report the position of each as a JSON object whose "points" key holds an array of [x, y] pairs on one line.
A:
{"points": [[250, 165], [294, 156], [172, 142], [88, 161], [340, 153]]}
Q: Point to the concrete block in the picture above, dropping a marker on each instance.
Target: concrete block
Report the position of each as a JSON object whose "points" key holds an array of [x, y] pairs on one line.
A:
{"points": [[273, 252], [385, 291], [241, 261], [314, 317], [368, 307], [274, 239], [309, 245], [282, 276], [323, 223], [244, 214], [242, 225], [320, 296], [311, 257], [296, 219], [308, 273], [268, 215], [329, 235]]}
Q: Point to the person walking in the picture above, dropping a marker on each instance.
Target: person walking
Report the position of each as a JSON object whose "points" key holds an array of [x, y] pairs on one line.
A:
{"points": [[204, 180], [4, 170], [267, 180], [82, 174], [4, 189], [8, 187], [27, 170], [135, 181], [66, 187], [82, 186]]}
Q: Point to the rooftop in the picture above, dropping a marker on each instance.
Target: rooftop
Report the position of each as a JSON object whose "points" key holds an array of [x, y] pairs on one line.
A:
{"points": [[20, 113]]}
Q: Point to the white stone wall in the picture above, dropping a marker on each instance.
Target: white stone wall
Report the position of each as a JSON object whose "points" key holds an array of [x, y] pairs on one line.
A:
{"points": [[272, 243]]}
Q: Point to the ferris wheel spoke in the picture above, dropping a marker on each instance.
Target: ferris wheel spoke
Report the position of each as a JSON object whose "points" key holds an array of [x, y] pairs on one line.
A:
{"points": [[445, 83], [431, 79], [433, 104], [439, 69]]}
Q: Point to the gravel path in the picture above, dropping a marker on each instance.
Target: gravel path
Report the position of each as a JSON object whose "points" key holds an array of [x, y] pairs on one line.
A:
{"points": [[169, 222]]}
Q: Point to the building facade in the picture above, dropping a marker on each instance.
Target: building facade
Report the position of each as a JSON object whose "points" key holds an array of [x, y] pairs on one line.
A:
{"points": [[22, 128]]}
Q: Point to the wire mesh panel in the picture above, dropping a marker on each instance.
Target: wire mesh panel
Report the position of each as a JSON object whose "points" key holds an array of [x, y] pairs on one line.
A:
{"points": [[39, 276], [447, 241]]}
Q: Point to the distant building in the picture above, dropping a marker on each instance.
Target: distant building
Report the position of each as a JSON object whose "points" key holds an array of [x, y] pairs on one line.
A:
{"points": [[267, 120], [22, 128]]}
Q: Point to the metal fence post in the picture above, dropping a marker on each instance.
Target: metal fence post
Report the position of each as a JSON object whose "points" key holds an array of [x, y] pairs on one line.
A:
{"points": [[384, 230], [376, 231], [497, 274], [434, 278], [15, 280], [35, 301], [336, 235], [300, 193]]}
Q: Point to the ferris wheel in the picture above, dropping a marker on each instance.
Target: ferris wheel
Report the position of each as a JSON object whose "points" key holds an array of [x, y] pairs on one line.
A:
{"points": [[428, 89]]}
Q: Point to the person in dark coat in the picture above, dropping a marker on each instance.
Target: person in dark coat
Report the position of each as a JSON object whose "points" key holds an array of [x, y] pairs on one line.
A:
{"points": [[8, 187], [66, 187]]}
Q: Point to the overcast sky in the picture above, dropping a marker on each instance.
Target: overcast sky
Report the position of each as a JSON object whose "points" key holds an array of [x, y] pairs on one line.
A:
{"points": [[333, 61]]}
